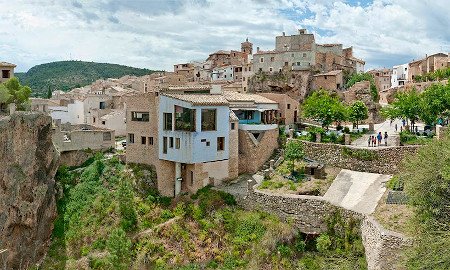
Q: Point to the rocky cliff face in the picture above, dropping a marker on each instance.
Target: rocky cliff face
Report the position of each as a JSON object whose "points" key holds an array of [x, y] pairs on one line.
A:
{"points": [[27, 188], [296, 84]]}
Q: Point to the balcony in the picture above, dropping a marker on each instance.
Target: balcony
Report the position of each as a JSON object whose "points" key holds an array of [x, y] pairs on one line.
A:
{"points": [[257, 127]]}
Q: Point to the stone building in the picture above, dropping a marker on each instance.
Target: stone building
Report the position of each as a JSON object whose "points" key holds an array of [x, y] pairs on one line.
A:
{"points": [[67, 138], [195, 139], [7, 71], [428, 64], [332, 80], [300, 52], [288, 108], [382, 78]]}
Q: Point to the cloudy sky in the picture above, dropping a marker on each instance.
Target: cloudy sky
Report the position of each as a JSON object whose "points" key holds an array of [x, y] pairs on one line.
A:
{"points": [[156, 34]]}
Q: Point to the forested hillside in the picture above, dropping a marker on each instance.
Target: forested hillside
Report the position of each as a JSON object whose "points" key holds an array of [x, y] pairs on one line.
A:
{"points": [[66, 75]]}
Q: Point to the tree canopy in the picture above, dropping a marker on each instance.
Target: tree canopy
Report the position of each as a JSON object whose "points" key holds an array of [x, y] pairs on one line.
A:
{"points": [[12, 91], [357, 112], [294, 152], [324, 107], [66, 75], [427, 106]]}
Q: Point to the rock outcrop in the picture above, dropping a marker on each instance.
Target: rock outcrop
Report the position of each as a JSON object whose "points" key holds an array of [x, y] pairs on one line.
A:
{"points": [[361, 91], [296, 84], [27, 188]]}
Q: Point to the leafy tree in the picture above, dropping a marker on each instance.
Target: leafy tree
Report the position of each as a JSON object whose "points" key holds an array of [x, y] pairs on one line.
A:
{"points": [[16, 93], [435, 100], [4, 94], [427, 184], [357, 112], [324, 107], [49, 93], [405, 105], [293, 152]]}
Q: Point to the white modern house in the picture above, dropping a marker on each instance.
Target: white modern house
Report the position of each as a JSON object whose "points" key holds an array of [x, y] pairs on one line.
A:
{"points": [[399, 75], [225, 73]]}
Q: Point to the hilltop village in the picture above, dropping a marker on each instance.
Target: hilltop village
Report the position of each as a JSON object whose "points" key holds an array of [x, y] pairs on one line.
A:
{"points": [[205, 122], [302, 132]]}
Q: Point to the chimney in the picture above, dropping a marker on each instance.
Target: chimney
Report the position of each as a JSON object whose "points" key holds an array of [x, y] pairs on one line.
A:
{"points": [[302, 31], [284, 34], [257, 49]]}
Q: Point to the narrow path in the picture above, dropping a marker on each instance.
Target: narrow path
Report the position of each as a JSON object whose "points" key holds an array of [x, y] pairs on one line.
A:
{"points": [[386, 126]]}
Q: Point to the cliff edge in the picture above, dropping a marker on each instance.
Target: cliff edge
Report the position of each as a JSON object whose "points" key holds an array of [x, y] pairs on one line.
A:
{"points": [[27, 188]]}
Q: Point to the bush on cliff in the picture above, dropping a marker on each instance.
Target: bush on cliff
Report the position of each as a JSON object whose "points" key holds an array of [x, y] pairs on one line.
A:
{"points": [[426, 178]]}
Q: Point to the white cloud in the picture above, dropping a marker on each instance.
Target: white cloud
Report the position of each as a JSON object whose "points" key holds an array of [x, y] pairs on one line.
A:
{"points": [[158, 33]]}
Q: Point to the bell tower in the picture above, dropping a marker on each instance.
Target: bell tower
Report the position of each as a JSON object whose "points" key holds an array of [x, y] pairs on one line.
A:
{"points": [[247, 47]]}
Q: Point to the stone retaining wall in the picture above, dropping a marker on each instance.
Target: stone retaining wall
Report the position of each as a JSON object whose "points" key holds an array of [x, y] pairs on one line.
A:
{"points": [[383, 247], [386, 160], [309, 214]]}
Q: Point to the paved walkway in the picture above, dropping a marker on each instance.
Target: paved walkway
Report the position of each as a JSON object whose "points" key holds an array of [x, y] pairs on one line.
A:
{"points": [[382, 127], [357, 191]]}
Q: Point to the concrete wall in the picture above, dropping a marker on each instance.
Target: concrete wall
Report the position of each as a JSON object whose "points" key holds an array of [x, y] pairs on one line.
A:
{"points": [[387, 159], [83, 139]]}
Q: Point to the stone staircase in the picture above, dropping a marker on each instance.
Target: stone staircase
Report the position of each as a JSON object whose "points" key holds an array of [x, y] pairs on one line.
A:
{"points": [[275, 156]]}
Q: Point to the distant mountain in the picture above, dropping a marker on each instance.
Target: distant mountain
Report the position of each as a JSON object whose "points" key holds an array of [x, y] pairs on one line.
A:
{"points": [[66, 75]]}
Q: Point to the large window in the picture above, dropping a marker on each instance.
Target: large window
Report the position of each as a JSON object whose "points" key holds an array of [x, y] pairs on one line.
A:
{"points": [[208, 119], [220, 143], [140, 116], [184, 119], [102, 105], [130, 138], [167, 121]]}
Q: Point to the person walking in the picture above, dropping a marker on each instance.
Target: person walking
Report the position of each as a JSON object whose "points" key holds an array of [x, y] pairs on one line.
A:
{"points": [[385, 138], [395, 127], [379, 137], [369, 141], [374, 141]]}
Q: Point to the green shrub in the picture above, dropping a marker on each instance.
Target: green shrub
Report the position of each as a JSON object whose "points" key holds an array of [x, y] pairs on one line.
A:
{"points": [[119, 247], [126, 205], [166, 214], [395, 183], [284, 250], [323, 243]]}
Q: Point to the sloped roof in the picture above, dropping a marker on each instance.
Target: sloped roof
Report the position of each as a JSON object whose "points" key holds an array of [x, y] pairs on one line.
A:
{"points": [[6, 64], [200, 99], [233, 96]]}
